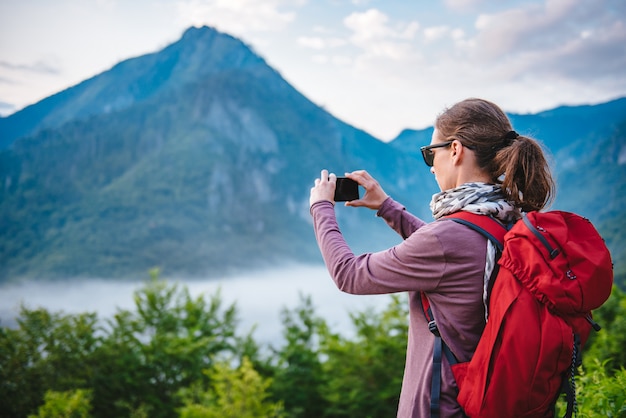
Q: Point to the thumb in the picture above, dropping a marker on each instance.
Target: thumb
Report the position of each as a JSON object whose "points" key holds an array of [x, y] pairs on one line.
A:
{"points": [[355, 203]]}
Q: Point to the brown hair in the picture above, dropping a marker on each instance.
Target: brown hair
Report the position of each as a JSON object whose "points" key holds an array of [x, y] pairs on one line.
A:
{"points": [[516, 162]]}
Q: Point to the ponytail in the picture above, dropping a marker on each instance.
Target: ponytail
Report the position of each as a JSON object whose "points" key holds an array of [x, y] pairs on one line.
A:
{"points": [[525, 174], [517, 162]]}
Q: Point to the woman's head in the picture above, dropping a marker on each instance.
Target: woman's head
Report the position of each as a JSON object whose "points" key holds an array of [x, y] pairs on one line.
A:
{"points": [[517, 162]]}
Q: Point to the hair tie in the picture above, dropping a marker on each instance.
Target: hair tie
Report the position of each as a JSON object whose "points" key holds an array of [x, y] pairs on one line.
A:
{"points": [[509, 137]]}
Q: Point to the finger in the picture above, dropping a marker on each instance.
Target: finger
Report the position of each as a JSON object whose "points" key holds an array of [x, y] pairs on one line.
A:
{"points": [[324, 175], [360, 173], [332, 177], [360, 176]]}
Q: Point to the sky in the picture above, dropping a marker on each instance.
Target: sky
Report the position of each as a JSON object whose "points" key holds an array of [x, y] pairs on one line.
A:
{"points": [[379, 65]]}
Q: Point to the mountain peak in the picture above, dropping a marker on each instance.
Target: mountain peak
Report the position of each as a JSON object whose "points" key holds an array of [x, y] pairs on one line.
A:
{"points": [[199, 53], [204, 50], [195, 33]]}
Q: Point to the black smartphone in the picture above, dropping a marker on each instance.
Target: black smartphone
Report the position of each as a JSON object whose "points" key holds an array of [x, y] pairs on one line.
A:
{"points": [[346, 190]]}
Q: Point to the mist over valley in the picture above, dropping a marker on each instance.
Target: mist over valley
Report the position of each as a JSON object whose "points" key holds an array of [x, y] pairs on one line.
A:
{"points": [[259, 297]]}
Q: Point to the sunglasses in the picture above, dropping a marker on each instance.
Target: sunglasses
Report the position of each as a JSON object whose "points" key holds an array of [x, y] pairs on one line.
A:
{"points": [[429, 155]]}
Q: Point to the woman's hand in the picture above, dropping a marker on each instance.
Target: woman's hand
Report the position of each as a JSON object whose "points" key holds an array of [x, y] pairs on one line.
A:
{"points": [[374, 194], [324, 188]]}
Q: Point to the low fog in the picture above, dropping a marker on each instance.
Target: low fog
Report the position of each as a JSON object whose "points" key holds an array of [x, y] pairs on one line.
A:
{"points": [[259, 298]]}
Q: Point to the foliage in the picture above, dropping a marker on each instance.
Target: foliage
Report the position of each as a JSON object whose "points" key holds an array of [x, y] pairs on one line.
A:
{"points": [[365, 374], [597, 393], [299, 377], [601, 381], [48, 351], [234, 393], [70, 404], [608, 344], [324, 374], [600, 394], [175, 355], [134, 366], [150, 354]]}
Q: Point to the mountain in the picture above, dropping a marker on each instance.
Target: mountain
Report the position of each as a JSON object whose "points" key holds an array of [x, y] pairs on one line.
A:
{"points": [[410, 140], [197, 159], [200, 53]]}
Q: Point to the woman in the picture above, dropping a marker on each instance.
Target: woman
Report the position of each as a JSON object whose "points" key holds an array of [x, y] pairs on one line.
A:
{"points": [[482, 166]]}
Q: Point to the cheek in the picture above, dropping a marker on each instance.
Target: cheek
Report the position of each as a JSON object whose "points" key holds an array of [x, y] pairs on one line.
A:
{"points": [[437, 178]]}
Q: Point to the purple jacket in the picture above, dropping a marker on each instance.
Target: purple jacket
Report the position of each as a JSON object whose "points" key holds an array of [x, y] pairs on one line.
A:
{"points": [[445, 260]]}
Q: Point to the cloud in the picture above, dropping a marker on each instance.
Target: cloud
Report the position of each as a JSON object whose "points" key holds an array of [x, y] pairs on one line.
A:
{"points": [[239, 16], [435, 32], [314, 42], [528, 56], [372, 33], [319, 43], [559, 38], [463, 5], [39, 67], [107, 4], [373, 25], [372, 43], [591, 55]]}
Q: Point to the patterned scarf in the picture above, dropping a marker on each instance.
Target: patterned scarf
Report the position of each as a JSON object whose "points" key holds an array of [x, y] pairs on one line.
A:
{"points": [[481, 198]]}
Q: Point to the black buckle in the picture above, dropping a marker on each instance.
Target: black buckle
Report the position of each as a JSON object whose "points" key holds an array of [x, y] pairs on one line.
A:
{"points": [[432, 327]]}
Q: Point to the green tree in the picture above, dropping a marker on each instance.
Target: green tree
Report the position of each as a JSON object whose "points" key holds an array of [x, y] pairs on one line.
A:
{"points": [[70, 404], [299, 376], [233, 393], [150, 354], [598, 394], [365, 374], [607, 345], [47, 351], [153, 362], [601, 381]]}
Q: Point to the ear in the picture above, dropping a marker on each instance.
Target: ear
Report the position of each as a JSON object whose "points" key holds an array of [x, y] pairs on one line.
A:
{"points": [[457, 152]]}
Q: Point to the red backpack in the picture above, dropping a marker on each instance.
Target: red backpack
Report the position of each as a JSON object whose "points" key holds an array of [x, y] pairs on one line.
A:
{"points": [[553, 270]]}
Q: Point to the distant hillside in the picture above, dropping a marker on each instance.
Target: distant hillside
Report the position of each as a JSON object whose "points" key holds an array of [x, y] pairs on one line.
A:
{"points": [[564, 130], [197, 159], [410, 140], [596, 187]]}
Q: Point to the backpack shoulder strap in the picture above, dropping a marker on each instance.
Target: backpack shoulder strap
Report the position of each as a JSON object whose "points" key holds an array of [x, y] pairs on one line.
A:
{"points": [[494, 231], [488, 226], [440, 348]]}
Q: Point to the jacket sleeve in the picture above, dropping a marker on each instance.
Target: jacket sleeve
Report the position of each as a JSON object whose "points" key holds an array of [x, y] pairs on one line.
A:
{"points": [[416, 264], [399, 219]]}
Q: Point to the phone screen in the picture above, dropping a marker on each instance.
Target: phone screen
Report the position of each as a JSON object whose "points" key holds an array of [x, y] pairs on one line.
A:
{"points": [[346, 190]]}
